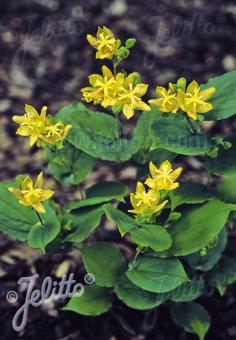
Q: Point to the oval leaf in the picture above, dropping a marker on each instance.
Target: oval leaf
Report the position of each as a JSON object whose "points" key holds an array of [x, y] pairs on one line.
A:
{"points": [[95, 301], [157, 275], [192, 317], [105, 262], [198, 226]]}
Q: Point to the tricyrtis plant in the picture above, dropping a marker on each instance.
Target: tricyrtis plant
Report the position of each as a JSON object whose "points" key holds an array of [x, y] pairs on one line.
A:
{"points": [[178, 228]]}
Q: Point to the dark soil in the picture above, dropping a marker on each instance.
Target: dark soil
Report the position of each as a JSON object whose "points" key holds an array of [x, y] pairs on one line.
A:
{"points": [[45, 60]]}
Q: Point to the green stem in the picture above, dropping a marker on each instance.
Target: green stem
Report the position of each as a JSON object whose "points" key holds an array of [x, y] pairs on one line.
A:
{"points": [[117, 125], [114, 62], [39, 217], [191, 126]]}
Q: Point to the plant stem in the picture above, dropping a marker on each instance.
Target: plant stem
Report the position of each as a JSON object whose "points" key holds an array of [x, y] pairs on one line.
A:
{"points": [[191, 126], [39, 217], [114, 61]]}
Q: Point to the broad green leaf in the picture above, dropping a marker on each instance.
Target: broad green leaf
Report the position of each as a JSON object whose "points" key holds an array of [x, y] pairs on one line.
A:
{"points": [[79, 114], [83, 223], [223, 274], [227, 189], [224, 99], [189, 193], [198, 226], [142, 135], [16, 220], [142, 129], [192, 317], [188, 291], [154, 236], [207, 262], [124, 222], [69, 165], [100, 193], [41, 235], [96, 133], [170, 132], [225, 163], [95, 301], [105, 262], [157, 275], [137, 298]]}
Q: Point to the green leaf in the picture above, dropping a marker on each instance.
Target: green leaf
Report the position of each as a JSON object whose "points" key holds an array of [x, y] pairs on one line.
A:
{"points": [[192, 317], [69, 165], [80, 115], [154, 236], [223, 274], [105, 262], [40, 236], [189, 193], [223, 100], [124, 222], [95, 301], [227, 189], [207, 262], [16, 220], [188, 291], [83, 223], [96, 133], [142, 135], [137, 298], [225, 163], [100, 193], [171, 133], [197, 227], [157, 275]]}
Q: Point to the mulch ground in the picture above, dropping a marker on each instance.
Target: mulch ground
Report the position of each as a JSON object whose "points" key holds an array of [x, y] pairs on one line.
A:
{"points": [[45, 60]]}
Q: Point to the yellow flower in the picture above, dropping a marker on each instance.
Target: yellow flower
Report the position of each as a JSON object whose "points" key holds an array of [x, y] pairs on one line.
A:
{"points": [[55, 134], [168, 99], [105, 43], [31, 194], [40, 128], [194, 100], [145, 202], [103, 88], [163, 178], [31, 124], [129, 95]]}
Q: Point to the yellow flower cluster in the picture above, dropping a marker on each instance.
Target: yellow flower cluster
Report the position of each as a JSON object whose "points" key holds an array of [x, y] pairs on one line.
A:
{"points": [[40, 127], [31, 194], [192, 100], [104, 42], [163, 179], [116, 90]]}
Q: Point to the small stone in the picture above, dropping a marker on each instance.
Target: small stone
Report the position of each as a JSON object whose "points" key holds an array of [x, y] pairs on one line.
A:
{"points": [[229, 63]]}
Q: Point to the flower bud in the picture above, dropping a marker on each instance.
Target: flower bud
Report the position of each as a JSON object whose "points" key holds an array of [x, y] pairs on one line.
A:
{"points": [[136, 77], [123, 52], [181, 84], [130, 42], [227, 145]]}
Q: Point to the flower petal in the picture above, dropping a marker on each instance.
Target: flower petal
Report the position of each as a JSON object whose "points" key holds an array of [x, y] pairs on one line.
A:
{"points": [[32, 112], [39, 181], [207, 93], [46, 194], [128, 111], [140, 90]]}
